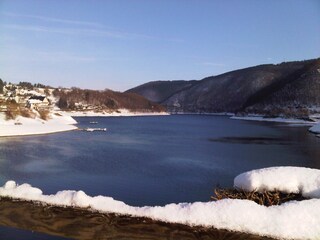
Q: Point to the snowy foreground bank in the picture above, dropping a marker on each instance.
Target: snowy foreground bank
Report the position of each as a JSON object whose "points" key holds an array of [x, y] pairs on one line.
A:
{"points": [[292, 220], [28, 126]]}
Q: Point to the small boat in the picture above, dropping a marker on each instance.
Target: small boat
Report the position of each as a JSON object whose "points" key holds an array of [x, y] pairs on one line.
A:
{"points": [[95, 129], [93, 122]]}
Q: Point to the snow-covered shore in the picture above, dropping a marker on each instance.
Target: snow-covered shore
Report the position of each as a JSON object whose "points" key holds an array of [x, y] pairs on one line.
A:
{"points": [[292, 220], [292, 121], [276, 119], [22, 126], [315, 129], [59, 121], [119, 113]]}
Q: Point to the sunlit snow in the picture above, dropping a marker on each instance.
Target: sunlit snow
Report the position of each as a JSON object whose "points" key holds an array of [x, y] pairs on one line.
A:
{"points": [[292, 220]]}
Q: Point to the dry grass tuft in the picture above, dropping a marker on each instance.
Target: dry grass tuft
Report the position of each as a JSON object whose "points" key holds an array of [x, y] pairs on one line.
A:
{"points": [[266, 198], [44, 114], [25, 112]]}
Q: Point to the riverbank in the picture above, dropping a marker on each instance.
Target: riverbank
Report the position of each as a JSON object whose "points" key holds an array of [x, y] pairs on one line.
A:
{"points": [[118, 113], [22, 126]]}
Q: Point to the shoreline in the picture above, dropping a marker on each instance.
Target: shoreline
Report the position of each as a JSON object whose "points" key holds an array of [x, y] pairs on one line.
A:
{"points": [[62, 121], [315, 130], [294, 122], [120, 113], [261, 118]]}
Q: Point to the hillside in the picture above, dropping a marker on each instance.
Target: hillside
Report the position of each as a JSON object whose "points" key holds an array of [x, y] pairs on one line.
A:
{"points": [[107, 100], [159, 91], [39, 101], [273, 89]]}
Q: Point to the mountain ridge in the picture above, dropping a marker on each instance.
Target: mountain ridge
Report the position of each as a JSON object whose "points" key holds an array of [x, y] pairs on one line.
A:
{"points": [[257, 89]]}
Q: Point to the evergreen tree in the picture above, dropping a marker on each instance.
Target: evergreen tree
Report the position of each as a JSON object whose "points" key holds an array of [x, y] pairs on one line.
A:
{"points": [[2, 83]]}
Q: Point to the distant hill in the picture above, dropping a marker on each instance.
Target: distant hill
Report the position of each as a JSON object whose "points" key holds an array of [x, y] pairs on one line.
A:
{"points": [[286, 88]]}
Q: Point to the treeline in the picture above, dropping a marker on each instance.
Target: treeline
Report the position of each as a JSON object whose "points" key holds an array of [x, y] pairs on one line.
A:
{"points": [[2, 84], [26, 85], [30, 86], [83, 99]]}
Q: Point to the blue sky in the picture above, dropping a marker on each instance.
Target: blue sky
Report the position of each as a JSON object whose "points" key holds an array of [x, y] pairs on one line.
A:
{"points": [[120, 44]]}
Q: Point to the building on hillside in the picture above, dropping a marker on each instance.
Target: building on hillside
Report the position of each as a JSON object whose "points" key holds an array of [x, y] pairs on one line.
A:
{"points": [[37, 102]]}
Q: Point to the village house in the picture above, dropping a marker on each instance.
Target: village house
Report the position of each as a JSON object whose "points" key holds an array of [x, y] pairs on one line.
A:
{"points": [[37, 102]]}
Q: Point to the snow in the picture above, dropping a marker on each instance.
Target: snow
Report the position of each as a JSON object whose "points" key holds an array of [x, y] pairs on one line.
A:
{"points": [[285, 179], [119, 113], [204, 113], [59, 121], [292, 220], [315, 128], [30, 126], [277, 119], [34, 101]]}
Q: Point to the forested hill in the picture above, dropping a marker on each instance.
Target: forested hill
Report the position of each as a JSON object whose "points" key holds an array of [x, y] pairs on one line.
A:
{"points": [[107, 100], [291, 88]]}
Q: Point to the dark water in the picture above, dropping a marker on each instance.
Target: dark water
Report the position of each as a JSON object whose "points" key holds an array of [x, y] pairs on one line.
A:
{"points": [[154, 160]]}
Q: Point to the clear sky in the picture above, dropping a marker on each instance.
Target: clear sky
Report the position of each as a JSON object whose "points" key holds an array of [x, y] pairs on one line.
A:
{"points": [[120, 44]]}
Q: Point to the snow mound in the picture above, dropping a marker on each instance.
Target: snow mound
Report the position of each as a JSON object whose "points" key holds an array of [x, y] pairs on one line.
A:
{"points": [[315, 128], [285, 179], [292, 220]]}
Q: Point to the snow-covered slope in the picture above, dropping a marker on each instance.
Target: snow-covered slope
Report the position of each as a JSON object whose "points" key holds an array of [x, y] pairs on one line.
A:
{"points": [[292, 220], [29, 126]]}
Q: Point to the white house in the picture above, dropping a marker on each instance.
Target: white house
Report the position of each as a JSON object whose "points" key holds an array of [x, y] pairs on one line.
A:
{"points": [[36, 102]]}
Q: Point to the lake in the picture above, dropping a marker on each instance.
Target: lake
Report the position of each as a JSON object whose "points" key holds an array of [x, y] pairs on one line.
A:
{"points": [[152, 160]]}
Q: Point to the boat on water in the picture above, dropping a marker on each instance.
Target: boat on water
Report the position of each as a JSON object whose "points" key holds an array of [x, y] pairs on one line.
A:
{"points": [[93, 122], [95, 129]]}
